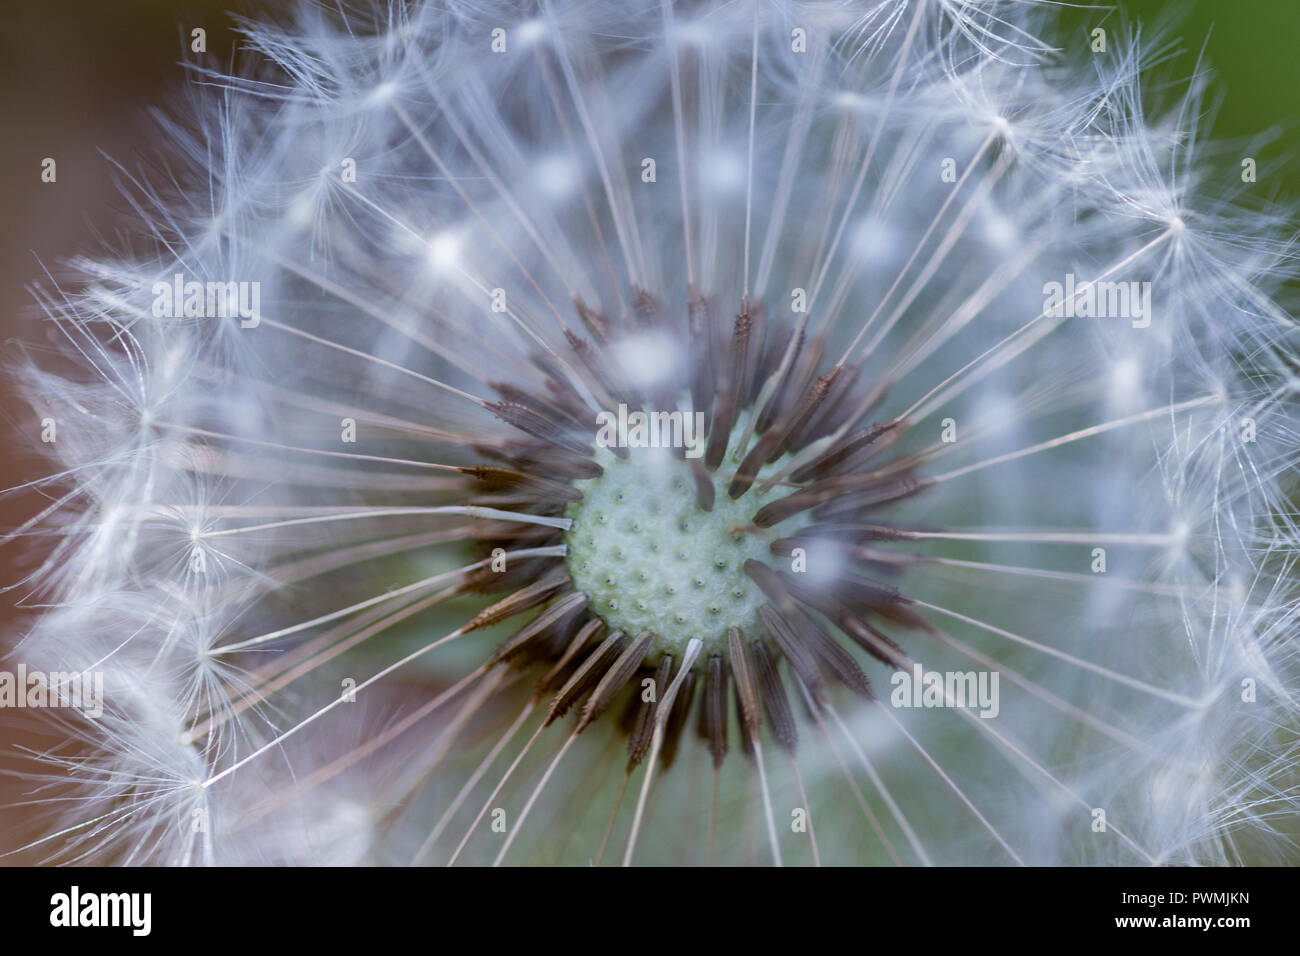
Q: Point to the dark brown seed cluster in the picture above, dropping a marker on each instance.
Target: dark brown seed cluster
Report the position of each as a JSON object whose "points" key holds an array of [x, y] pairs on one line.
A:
{"points": [[832, 476]]}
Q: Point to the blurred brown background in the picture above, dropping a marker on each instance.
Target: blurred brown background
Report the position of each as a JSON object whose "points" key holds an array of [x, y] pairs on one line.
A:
{"points": [[79, 78]]}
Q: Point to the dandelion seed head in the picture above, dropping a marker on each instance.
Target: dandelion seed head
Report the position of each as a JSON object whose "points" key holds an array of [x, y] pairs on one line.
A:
{"points": [[334, 558]]}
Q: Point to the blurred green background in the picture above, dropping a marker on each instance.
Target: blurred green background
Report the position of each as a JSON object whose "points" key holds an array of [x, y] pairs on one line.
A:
{"points": [[1252, 48]]}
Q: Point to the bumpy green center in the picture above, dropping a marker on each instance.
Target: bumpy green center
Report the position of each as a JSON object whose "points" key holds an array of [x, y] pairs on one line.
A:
{"points": [[648, 557]]}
